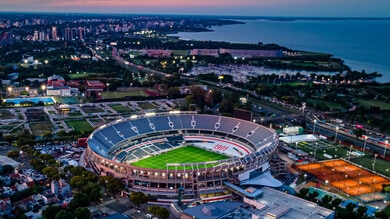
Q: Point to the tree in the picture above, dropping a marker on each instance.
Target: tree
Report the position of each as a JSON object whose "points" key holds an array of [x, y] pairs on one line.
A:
{"points": [[163, 213], [359, 132], [93, 191], [336, 202], [326, 199], [77, 182], [37, 189], [7, 169], [29, 150], [77, 171], [79, 200], [153, 209], [361, 211], [51, 211], [82, 213], [111, 184], [313, 195], [46, 157], [303, 192], [38, 164], [173, 92], [64, 214], [138, 198], [51, 172], [13, 154]]}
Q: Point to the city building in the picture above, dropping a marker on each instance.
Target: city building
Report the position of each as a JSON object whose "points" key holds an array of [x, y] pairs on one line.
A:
{"points": [[265, 203], [94, 87], [5, 207], [56, 86], [60, 188]]}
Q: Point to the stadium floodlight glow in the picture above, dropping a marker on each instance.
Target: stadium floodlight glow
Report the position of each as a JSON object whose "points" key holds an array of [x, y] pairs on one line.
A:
{"points": [[133, 116], [150, 114], [174, 112]]}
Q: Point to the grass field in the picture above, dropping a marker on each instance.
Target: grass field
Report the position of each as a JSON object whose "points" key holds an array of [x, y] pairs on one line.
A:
{"points": [[5, 114], [41, 128], [368, 103], [80, 125], [188, 154], [381, 166], [120, 108], [122, 94], [92, 110], [331, 105], [146, 105]]}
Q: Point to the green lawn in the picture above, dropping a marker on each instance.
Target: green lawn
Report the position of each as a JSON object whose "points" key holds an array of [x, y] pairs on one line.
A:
{"points": [[146, 105], [41, 128], [381, 166], [122, 94], [331, 105], [188, 154], [180, 52], [92, 110], [80, 125], [328, 148], [368, 103], [120, 108], [76, 113], [5, 114]]}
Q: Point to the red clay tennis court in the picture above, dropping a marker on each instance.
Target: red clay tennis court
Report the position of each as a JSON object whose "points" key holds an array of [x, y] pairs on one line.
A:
{"points": [[347, 177]]}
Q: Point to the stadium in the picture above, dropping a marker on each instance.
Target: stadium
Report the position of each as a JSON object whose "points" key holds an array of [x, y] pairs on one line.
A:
{"points": [[161, 154]]}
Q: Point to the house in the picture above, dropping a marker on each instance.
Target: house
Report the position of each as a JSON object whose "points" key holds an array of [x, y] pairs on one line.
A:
{"points": [[49, 198], [5, 207], [8, 191]]}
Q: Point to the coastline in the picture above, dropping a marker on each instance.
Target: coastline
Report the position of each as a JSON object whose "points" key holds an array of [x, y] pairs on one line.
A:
{"points": [[355, 48]]}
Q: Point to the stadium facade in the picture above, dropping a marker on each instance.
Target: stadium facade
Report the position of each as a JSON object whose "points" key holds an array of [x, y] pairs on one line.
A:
{"points": [[113, 148]]}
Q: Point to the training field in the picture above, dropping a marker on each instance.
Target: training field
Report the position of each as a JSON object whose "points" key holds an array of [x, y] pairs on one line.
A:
{"points": [[188, 154]]}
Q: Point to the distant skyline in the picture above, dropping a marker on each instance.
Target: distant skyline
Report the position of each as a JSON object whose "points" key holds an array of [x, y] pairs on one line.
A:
{"points": [[313, 8]]}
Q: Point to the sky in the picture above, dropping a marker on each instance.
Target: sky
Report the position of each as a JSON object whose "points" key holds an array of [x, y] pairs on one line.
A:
{"points": [[317, 8]]}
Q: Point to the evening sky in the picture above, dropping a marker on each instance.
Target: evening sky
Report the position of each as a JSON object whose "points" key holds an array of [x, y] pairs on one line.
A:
{"points": [[317, 8]]}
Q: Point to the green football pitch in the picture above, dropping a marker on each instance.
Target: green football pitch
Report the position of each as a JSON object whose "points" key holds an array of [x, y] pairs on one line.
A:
{"points": [[188, 154]]}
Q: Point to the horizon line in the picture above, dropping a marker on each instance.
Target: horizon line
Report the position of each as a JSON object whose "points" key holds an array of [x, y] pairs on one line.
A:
{"points": [[204, 15]]}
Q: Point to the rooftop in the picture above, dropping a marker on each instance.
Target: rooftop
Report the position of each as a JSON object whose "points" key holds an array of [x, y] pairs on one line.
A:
{"points": [[285, 206], [212, 210]]}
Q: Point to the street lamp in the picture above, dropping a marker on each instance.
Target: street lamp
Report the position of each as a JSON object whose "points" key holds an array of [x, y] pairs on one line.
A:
{"points": [[365, 143], [335, 138], [9, 91], [43, 89], [350, 151], [314, 126], [373, 164], [296, 145]]}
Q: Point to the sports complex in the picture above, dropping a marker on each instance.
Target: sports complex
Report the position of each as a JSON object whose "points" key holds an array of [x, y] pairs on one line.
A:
{"points": [[196, 154], [349, 178]]}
